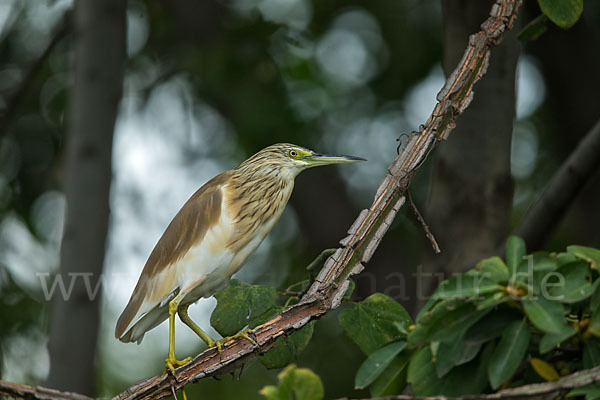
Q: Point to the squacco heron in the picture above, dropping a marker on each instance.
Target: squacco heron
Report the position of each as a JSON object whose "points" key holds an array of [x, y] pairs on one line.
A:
{"points": [[211, 237]]}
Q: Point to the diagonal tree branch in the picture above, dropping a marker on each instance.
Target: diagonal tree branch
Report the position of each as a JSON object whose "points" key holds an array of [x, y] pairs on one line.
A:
{"points": [[566, 184]]}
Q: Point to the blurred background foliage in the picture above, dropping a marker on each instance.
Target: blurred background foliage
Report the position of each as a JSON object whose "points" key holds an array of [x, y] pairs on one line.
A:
{"points": [[207, 84]]}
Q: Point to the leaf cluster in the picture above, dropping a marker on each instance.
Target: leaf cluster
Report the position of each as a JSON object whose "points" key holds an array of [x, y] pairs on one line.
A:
{"points": [[295, 384], [504, 323], [241, 306]]}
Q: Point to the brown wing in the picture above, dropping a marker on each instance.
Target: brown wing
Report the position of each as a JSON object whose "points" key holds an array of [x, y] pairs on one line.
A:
{"points": [[188, 227]]}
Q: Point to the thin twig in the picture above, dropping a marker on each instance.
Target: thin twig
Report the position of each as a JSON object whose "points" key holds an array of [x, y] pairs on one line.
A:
{"points": [[421, 220]]}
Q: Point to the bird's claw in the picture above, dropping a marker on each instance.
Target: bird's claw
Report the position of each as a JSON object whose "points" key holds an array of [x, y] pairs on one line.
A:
{"points": [[171, 363], [242, 334]]}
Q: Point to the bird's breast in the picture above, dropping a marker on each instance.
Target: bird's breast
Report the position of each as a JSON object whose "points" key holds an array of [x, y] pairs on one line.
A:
{"points": [[227, 244], [253, 219]]}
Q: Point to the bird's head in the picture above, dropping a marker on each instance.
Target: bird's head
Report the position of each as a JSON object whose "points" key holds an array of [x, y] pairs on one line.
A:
{"points": [[289, 159]]}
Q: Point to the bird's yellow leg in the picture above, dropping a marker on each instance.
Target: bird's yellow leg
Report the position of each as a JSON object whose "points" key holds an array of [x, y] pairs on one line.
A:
{"points": [[242, 334], [185, 318], [171, 362]]}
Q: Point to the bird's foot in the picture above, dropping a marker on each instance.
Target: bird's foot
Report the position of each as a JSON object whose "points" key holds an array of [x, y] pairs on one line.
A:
{"points": [[171, 363], [242, 334]]}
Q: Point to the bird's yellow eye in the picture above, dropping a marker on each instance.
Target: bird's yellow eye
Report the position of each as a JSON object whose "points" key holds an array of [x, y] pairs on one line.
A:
{"points": [[293, 153]]}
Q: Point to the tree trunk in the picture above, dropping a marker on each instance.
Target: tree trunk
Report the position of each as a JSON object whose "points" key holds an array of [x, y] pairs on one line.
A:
{"points": [[471, 188], [99, 38]]}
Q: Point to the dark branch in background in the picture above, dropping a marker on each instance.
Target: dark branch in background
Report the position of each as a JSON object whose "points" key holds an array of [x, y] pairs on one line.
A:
{"points": [[13, 102], [536, 391], [15, 390], [365, 233], [567, 183]]}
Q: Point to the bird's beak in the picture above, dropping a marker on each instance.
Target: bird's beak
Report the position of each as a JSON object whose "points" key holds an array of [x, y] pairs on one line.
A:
{"points": [[316, 159]]}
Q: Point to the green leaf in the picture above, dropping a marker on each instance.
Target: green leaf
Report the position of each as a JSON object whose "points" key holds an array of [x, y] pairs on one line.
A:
{"points": [[402, 328], [465, 379], [277, 357], [376, 363], [425, 309], [588, 254], [576, 286], [301, 338], [591, 391], [515, 251], [470, 351], [534, 271], [509, 353], [370, 324], [546, 315], [492, 325], [462, 286], [564, 258], [393, 379], [493, 268], [534, 29], [469, 378], [453, 353], [295, 384], [447, 355], [421, 374], [285, 348], [446, 321], [492, 300], [238, 303], [523, 274], [456, 323], [542, 261], [552, 340], [563, 13], [591, 354]]}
